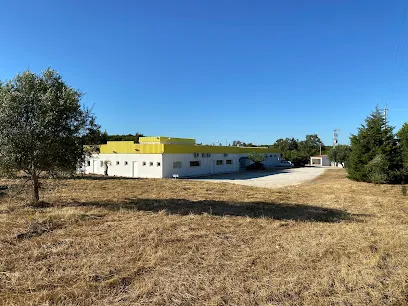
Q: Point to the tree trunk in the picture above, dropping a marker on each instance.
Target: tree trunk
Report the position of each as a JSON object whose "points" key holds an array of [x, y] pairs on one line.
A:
{"points": [[36, 196]]}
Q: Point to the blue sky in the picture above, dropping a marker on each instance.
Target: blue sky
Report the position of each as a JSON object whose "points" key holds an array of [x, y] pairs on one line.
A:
{"points": [[218, 70]]}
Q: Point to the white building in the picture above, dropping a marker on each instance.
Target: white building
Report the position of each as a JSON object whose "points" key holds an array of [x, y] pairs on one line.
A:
{"points": [[320, 160], [159, 157]]}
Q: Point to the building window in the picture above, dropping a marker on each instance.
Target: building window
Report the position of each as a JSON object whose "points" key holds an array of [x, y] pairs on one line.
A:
{"points": [[88, 163], [228, 161], [158, 164], [208, 154], [225, 155], [219, 162], [203, 155], [101, 163], [196, 155], [126, 163], [117, 163], [195, 163], [144, 164], [176, 164], [151, 164]]}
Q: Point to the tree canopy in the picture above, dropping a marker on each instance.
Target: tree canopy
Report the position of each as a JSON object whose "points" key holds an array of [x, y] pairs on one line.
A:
{"points": [[374, 146], [339, 154], [43, 126], [311, 145], [256, 157], [286, 145], [126, 137], [403, 140], [299, 152]]}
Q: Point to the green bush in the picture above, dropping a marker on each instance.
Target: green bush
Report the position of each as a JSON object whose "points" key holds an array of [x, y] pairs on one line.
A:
{"points": [[404, 190], [377, 170], [297, 158]]}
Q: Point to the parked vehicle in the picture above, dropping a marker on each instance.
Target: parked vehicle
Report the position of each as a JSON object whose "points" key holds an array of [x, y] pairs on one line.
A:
{"points": [[285, 163]]}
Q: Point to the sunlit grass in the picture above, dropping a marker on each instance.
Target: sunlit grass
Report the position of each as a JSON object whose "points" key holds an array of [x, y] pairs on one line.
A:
{"points": [[180, 242]]}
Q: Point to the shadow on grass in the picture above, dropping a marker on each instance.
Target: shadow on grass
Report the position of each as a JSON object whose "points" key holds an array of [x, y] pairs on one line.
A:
{"points": [[242, 175], [277, 211], [94, 177]]}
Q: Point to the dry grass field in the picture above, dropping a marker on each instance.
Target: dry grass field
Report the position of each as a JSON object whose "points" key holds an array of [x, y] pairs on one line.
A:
{"points": [[178, 242]]}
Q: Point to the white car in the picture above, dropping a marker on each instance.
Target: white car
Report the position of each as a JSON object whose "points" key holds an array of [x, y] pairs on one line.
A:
{"points": [[285, 163]]}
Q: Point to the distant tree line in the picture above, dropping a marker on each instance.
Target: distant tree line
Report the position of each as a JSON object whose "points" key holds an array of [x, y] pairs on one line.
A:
{"points": [[238, 143], [98, 137], [299, 152]]}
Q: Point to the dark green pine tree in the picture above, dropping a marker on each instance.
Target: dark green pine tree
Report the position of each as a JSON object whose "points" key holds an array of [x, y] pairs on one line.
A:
{"points": [[403, 140], [375, 153]]}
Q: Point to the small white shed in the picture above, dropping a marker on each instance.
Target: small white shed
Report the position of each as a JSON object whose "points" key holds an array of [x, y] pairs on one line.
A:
{"points": [[320, 160]]}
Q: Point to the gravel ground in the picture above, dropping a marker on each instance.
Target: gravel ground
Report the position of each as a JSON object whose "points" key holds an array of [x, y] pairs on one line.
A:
{"points": [[268, 178]]}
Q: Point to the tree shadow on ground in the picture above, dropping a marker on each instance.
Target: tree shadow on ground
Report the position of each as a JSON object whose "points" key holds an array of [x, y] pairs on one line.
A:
{"points": [[240, 175], [277, 211], [95, 177]]}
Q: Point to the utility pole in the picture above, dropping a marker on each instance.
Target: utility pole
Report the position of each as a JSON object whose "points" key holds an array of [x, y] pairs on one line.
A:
{"points": [[335, 137]]}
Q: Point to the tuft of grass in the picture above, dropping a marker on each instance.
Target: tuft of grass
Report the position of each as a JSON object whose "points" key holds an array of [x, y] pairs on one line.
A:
{"points": [[179, 242], [404, 190]]}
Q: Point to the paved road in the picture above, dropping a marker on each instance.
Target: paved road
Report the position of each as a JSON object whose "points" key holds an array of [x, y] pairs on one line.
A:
{"points": [[268, 178]]}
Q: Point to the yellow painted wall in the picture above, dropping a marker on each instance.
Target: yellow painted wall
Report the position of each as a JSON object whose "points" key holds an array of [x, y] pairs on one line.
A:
{"points": [[129, 147], [117, 147], [180, 149]]}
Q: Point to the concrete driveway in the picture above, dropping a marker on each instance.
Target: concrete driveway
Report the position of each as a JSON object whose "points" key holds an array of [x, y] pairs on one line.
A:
{"points": [[267, 178]]}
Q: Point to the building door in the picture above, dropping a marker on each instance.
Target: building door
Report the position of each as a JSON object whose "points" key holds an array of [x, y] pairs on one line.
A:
{"points": [[135, 169]]}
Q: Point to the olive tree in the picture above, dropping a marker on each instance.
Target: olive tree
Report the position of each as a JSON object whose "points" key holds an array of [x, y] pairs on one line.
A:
{"points": [[339, 154], [256, 157], [43, 126]]}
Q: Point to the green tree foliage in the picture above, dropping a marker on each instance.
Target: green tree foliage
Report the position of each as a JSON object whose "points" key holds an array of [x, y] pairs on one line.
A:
{"points": [[239, 143], [299, 152], [42, 126], [403, 140], [286, 145], [127, 137], [298, 158], [377, 169], [311, 145], [256, 157], [375, 143], [339, 154]]}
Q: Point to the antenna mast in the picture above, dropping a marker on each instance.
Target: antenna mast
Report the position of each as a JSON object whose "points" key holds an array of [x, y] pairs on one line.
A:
{"points": [[335, 137], [385, 116]]}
